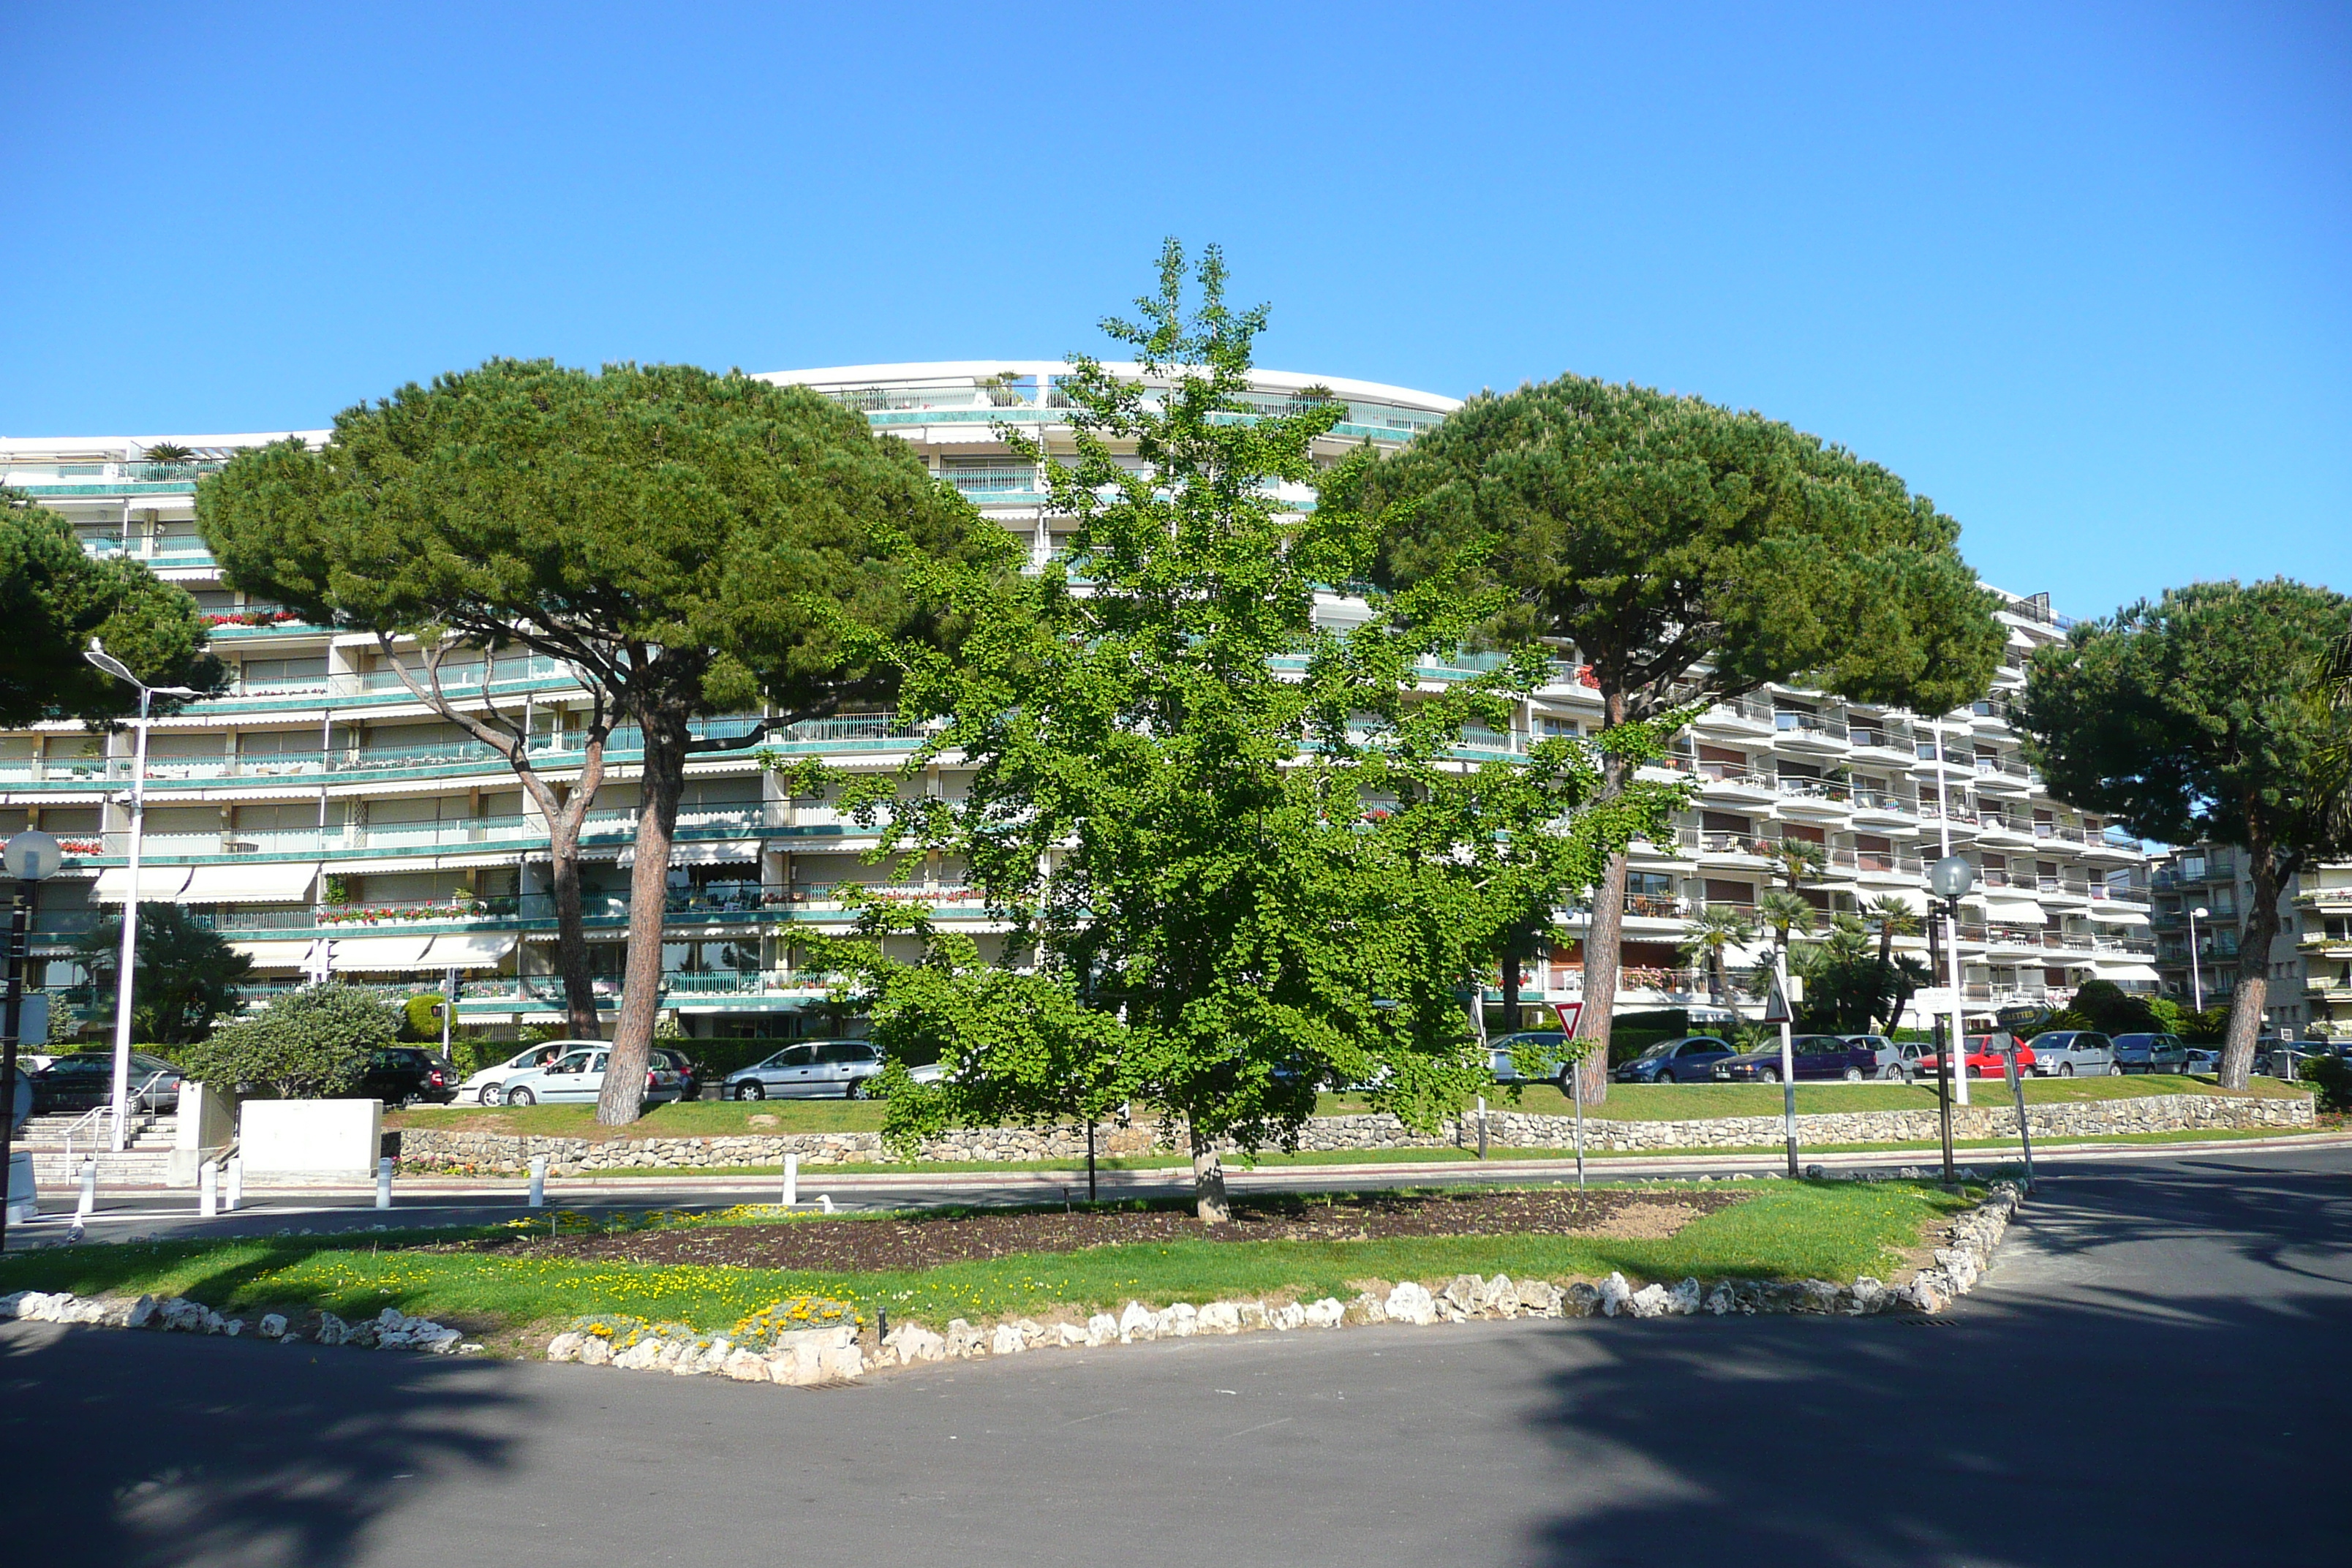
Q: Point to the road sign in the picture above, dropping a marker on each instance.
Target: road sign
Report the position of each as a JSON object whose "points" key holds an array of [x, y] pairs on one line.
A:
{"points": [[1776, 1005], [1935, 999], [1570, 1014]]}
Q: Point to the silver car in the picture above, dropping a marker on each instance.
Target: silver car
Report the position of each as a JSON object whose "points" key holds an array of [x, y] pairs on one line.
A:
{"points": [[2151, 1053], [580, 1076], [818, 1069], [2074, 1053], [1898, 1063]]}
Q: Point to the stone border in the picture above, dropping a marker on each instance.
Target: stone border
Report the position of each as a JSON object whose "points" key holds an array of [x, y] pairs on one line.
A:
{"points": [[814, 1356], [508, 1153], [805, 1357]]}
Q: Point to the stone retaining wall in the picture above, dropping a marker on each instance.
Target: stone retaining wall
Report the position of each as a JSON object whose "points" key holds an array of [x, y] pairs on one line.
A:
{"points": [[508, 1154]]}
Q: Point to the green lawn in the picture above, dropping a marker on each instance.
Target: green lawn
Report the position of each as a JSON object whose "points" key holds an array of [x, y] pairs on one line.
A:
{"points": [[1825, 1231], [1626, 1102]]}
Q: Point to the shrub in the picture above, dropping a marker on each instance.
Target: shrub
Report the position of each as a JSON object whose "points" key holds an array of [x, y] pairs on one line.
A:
{"points": [[421, 1017], [310, 1043], [2331, 1076]]}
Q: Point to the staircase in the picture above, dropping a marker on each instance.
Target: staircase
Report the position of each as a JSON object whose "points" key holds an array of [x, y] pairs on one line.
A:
{"points": [[146, 1149]]}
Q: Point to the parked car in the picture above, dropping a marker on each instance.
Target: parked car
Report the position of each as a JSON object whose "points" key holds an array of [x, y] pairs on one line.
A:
{"points": [[579, 1075], [816, 1070], [400, 1075], [85, 1079], [2202, 1059], [1812, 1056], [488, 1086], [1986, 1057], [688, 1071], [2151, 1053], [1689, 1058], [2073, 1053], [1541, 1041], [1898, 1060]]}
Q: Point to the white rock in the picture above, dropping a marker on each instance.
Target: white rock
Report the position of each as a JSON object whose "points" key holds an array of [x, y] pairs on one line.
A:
{"points": [[1685, 1299], [1253, 1314], [1006, 1340], [1326, 1313], [1462, 1293], [1178, 1322], [964, 1340], [143, 1314], [1070, 1336], [1649, 1301], [1614, 1294], [744, 1366], [1539, 1297], [1721, 1301], [11, 1305], [912, 1342], [1287, 1317], [1220, 1317], [639, 1357], [273, 1326], [442, 1342], [1410, 1303], [233, 1327], [1502, 1297], [566, 1346], [596, 1350], [1102, 1329], [1138, 1322], [1367, 1308], [1869, 1296], [332, 1331]]}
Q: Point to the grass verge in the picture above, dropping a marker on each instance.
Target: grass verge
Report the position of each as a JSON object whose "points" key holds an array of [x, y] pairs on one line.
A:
{"points": [[1831, 1230]]}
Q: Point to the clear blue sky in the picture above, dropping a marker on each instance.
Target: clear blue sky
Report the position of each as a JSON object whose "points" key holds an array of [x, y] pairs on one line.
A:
{"points": [[2084, 274]]}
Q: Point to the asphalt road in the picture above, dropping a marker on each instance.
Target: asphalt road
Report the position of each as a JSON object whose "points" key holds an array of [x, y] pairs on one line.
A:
{"points": [[2154, 1373]]}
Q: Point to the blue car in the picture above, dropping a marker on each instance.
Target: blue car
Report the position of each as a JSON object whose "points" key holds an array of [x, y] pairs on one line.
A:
{"points": [[1689, 1058]]}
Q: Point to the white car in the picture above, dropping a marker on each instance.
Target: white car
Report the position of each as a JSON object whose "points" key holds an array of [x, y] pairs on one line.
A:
{"points": [[488, 1086], [579, 1075]]}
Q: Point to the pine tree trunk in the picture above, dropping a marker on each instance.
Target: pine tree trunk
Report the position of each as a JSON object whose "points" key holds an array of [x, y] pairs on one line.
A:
{"points": [[582, 1021], [1209, 1185], [663, 781], [1604, 935], [2254, 966]]}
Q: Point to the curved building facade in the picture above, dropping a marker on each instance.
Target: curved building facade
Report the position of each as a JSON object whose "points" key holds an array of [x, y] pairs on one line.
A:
{"points": [[318, 801]]}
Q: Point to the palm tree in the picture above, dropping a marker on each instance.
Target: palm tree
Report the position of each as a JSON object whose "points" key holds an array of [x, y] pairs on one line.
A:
{"points": [[1782, 912], [1894, 917], [1797, 861], [1718, 929]]}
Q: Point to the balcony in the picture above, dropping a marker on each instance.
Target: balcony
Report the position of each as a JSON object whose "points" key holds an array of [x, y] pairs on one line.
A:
{"points": [[1811, 734], [1740, 716]]}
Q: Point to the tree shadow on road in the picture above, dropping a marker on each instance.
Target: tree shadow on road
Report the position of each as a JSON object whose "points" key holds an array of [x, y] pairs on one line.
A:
{"points": [[138, 1450], [2114, 1420]]}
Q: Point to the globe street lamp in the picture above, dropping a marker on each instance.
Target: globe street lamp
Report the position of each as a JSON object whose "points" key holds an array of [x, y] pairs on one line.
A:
{"points": [[2196, 971], [107, 663], [1949, 879], [29, 858]]}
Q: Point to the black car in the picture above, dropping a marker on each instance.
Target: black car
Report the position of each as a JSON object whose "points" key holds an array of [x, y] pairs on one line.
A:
{"points": [[684, 1066], [1813, 1056], [85, 1080], [399, 1075], [1689, 1058]]}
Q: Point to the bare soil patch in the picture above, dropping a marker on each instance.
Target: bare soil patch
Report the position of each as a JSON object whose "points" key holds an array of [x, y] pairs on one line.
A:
{"points": [[925, 1241]]}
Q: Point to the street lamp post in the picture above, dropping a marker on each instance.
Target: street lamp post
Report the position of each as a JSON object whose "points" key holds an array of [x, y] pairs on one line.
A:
{"points": [[2196, 971], [98, 655], [30, 857], [1949, 879]]}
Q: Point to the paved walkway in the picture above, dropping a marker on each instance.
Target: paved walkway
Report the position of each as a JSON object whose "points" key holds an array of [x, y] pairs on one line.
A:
{"points": [[2154, 1373]]}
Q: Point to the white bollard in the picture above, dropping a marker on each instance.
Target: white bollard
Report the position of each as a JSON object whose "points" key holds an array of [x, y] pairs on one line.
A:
{"points": [[791, 1180], [824, 1202], [384, 1183], [235, 1182], [539, 1181], [208, 1189], [88, 1204]]}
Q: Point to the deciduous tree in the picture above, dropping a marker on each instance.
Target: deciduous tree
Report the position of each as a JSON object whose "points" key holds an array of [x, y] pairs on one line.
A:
{"points": [[2188, 718], [1685, 553], [309, 1044], [692, 546], [1240, 856]]}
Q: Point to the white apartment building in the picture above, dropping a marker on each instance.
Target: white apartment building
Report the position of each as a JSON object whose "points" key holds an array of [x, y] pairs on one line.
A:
{"points": [[317, 799], [2310, 959]]}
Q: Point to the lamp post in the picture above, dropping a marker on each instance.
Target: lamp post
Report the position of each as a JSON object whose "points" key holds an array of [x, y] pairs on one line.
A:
{"points": [[30, 857], [107, 663], [2196, 971], [1949, 879]]}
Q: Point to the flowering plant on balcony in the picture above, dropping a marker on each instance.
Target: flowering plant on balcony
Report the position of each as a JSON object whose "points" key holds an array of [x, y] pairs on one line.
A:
{"points": [[82, 846], [252, 618], [379, 913]]}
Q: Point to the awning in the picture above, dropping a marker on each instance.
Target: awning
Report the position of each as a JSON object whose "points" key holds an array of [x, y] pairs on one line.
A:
{"points": [[490, 857], [157, 884], [2130, 972], [269, 882], [2119, 916], [363, 867], [380, 952], [2013, 911], [715, 851], [274, 954], [474, 950]]}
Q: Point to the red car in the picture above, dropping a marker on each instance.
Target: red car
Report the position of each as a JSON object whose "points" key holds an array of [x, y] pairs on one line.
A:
{"points": [[1987, 1058]]}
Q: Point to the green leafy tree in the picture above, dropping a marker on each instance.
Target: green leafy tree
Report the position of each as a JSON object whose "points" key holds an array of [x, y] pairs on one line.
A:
{"points": [[2188, 718], [1683, 552], [1890, 917], [54, 597], [693, 545], [311, 1044], [186, 975], [1718, 929], [1239, 856]]}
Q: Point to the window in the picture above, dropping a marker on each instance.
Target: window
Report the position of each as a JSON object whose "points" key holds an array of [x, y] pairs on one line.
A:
{"points": [[1719, 892]]}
